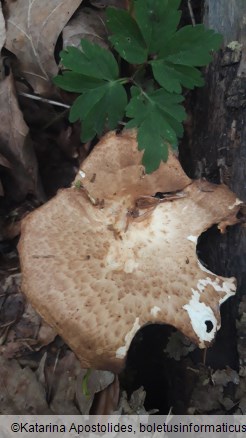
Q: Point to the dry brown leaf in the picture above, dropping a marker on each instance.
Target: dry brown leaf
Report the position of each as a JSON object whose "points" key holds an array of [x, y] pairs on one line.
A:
{"points": [[33, 28], [87, 23], [223, 377], [46, 335], [106, 401], [21, 328], [134, 405], [16, 145], [2, 29], [4, 162], [61, 378], [178, 345], [97, 382], [21, 393], [209, 395]]}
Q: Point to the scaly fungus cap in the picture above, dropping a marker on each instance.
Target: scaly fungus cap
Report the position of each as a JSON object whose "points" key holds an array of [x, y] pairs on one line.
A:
{"points": [[97, 264]]}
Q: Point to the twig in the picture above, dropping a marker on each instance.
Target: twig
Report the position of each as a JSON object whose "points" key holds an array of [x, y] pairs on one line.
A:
{"points": [[193, 21], [204, 356], [43, 99], [53, 376]]}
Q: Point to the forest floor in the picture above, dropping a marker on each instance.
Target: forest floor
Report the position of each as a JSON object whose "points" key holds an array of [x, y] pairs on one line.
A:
{"points": [[40, 152]]}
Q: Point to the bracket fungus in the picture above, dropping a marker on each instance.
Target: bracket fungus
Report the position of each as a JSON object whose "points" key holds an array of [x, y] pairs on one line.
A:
{"points": [[105, 257]]}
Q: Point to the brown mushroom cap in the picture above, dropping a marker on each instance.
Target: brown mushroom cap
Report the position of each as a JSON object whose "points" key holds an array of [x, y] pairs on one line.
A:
{"points": [[97, 279]]}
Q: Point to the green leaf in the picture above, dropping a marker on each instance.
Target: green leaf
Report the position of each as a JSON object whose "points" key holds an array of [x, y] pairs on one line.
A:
{"points": [[85, 380], [157, 20], [169, 104], [191, 46], [95, 61], [158, 116], [176, 126], [75, 82], [172, 77], [150, 138], [149, 36], [188, 48], [127, 38], [84, 103], [100, 108]]}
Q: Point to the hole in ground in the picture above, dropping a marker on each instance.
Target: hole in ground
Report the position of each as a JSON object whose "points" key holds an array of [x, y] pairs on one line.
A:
{"points": [[164, 379]]}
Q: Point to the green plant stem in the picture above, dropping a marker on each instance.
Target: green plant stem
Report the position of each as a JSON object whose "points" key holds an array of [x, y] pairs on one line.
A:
{"points": [[54, 120], [124, 81], [131, 7], [85, 382], [142, 91], [139, 69]]}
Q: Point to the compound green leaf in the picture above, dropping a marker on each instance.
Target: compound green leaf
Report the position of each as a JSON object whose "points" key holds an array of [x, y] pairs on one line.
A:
{"points": [[150, 36], [169, 104], [127, 38], [158, 116], [99, 109], [84, 103], [75, 82], [95, 61], [137, 109], [152, 138], [191, 46], [176, 126], [172, 77], [157, 20]]}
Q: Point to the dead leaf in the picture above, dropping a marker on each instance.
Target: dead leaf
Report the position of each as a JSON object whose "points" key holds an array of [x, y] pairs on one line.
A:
{"points": [[209, 394], [21, 393], [223, 377], [2, 29], [134, 405], [21, 328], [33, 28], [2, 41], [97, 382], [46, 335], [205, 397], [228, 403], [16, 145], [106, 401], [12, 230], [87, 23], [4, 162], [241, 338], [40, 372], [178, 345], [61, 378]]}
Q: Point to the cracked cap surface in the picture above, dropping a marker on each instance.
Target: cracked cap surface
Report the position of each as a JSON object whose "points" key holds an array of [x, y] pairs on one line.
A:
{"points": [[97, 277]]}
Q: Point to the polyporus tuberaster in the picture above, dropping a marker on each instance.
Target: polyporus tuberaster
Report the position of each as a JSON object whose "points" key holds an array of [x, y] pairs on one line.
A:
{"points": [[99, 262]]}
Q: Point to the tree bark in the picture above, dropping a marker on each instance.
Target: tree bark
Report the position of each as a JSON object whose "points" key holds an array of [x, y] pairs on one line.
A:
{"points": [[215, 143]]}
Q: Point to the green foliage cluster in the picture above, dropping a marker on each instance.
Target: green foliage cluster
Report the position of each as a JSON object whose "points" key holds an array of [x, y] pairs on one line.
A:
{"points": [[163, 59]]}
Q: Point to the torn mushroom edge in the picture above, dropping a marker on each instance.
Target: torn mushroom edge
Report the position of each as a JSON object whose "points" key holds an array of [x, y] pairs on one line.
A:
{"points": [[228, 287]]}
